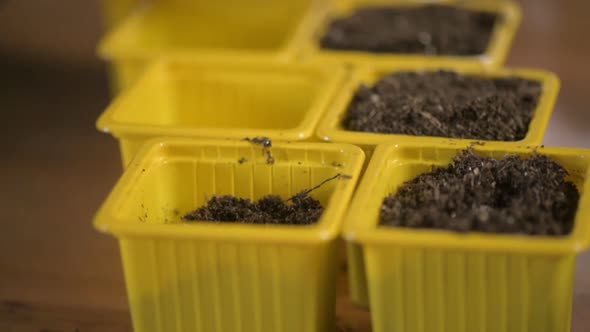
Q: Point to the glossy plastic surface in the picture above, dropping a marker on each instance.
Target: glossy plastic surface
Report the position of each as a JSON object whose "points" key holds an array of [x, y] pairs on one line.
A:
{"points": [[264, 29], [212, 99], [330, 127], [218, 277], [425, 280]]}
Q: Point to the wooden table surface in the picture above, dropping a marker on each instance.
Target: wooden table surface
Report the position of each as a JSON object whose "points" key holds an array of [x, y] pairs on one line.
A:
{"points": [[57, 274]]}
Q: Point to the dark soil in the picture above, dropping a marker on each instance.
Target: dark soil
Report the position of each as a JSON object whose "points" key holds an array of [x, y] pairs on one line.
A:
{"points": [[431, 29], [509, 195], [445, 104], [301, 210]]}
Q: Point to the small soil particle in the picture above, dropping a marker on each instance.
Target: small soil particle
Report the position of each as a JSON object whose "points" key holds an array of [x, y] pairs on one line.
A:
{"points": [[509, 195], [429, 29], [445, 104], [266, 144], [242, 160], [269, 157]]}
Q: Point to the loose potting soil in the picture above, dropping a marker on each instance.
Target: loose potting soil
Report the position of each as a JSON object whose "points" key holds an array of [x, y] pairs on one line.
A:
{"points": [[301, 210], [431, 29], [509, 195], [445, 104]]}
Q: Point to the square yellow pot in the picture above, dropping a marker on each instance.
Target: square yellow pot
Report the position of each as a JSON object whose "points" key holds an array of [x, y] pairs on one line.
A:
{"points": [[429, 280], [495, 55], [226, 277], [203, 99], [263, 29], [330, 128]]}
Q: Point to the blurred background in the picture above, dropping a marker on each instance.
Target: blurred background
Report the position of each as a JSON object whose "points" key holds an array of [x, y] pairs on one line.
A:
{"points": [[56, 273]]}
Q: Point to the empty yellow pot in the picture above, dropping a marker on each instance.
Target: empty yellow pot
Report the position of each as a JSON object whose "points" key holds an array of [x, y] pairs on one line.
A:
{"points": [[234, 100], [264, 29]]}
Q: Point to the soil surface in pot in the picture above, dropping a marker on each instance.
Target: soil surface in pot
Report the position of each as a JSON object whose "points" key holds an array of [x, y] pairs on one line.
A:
{"points": [[299, 210], [431, 29], [445, 104], [508, 195]]}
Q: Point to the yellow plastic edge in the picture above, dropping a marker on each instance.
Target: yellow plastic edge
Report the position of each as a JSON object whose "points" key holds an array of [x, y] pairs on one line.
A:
{"points": [[329, 128], [357, 229], [328, 227], [503, 38]]}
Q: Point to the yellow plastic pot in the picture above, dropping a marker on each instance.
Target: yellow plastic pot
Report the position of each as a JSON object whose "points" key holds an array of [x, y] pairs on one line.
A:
{"points": [[330, 127], [223, 277], [204, 99], [264, 29], [495, 55], [428, 280]]}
